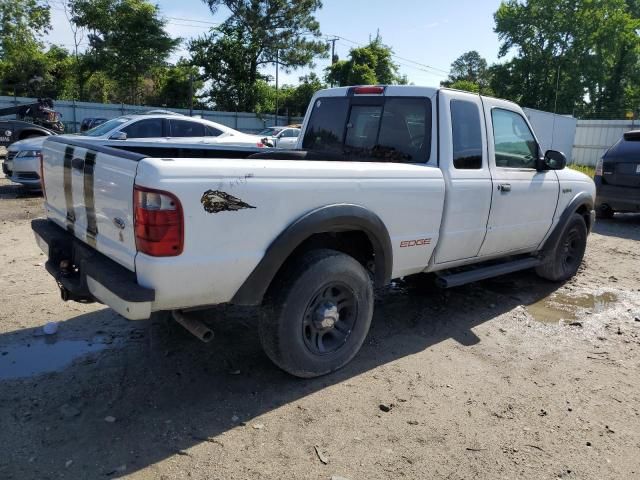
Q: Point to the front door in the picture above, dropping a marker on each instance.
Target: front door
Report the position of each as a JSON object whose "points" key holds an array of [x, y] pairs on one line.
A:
{"points": [[524, 199]]}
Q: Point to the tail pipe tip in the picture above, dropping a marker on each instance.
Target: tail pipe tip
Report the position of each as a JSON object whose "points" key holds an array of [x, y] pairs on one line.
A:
{"points": [[195, 327]]}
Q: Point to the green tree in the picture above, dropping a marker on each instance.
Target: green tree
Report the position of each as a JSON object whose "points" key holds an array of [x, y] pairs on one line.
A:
{"points": [[570, 55], [22, 23], [170, 86], [469, 72], [127, 40], [257, 33], [298, 98], [293, 100], [369, 65]]}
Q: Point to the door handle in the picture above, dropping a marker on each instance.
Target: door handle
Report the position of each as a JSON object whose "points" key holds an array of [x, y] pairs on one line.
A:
{"points": [[77, 163], [504, 187]]}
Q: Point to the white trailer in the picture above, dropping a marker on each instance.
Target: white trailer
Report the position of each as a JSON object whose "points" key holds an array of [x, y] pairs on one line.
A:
{"points": [[554, 132]]}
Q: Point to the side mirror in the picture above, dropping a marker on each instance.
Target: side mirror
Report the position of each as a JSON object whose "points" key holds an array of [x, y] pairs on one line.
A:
{"points": [[553, 160], [118, 136]]}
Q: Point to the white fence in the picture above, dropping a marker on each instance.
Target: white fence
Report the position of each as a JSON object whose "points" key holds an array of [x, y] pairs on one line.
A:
{"points": [[582, 141], [73, 113], [594, 137], [554, 132]]}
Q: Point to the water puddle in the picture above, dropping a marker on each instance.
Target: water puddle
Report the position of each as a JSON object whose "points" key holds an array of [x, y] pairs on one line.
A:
{"points": [[559, 306], [43, 355]]}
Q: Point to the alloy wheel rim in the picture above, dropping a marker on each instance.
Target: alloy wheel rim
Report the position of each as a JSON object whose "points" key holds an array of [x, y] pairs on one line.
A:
{"points": [[329, 318]]}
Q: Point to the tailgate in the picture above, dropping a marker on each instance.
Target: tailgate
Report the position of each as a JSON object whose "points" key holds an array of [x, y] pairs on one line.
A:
{"points": [[89, 191], [623, 173]]}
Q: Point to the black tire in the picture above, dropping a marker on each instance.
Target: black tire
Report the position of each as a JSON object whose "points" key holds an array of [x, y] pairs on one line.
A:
{"points": [[564, 261], [300, 330], [604, 212]]}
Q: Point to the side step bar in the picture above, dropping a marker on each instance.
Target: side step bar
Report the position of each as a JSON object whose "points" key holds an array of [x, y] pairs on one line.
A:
{"points": [[482, 273]]}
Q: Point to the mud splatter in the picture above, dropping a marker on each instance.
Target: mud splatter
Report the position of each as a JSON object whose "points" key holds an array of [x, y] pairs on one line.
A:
{"points": [[215, 201]]}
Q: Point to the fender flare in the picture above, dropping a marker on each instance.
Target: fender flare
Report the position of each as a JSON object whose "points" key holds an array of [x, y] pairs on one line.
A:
{"points": [[582, 198], [330, 218]]}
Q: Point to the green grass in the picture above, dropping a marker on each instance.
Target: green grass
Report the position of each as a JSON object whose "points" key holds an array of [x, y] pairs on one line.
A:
{"points": [[591, 171]]}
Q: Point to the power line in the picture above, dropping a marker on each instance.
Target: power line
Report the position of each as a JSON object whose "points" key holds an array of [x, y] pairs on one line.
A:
{"points": [[424, 65], [204, 24]]}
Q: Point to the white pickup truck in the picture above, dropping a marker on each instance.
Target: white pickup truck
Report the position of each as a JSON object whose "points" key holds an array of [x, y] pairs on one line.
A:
{"points": [[386, 182]]}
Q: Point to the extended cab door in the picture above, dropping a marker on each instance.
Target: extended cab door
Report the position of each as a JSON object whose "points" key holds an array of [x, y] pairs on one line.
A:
{"points": [[523, 199], [465, 167]]}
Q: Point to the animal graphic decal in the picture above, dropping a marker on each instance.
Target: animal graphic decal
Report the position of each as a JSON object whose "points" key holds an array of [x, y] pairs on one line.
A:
{"points": [[215, 201]]}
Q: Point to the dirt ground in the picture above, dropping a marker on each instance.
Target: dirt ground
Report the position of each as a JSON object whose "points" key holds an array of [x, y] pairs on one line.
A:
{"points": [[508, 378]]}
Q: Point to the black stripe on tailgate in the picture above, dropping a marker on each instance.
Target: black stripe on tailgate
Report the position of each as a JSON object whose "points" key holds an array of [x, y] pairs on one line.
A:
{"points": [[68, 192], [89, 200]]}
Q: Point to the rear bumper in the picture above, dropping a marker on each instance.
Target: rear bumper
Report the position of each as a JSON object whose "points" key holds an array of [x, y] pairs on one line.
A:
{"points": [[620, 199], [90, 275]]}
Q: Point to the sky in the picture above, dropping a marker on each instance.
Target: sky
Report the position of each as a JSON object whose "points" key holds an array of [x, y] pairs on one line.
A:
{"points": [[426, 35]]}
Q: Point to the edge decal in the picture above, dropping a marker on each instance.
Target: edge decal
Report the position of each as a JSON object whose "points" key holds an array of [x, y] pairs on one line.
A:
{"points": [[421, 242]]}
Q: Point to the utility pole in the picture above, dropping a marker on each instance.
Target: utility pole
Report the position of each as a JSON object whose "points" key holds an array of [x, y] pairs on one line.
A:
{"points": [[276, 115], [555, 108], [333, 50], [191, 94]]}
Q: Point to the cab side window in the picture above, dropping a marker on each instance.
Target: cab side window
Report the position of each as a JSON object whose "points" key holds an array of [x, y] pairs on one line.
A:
{"points": [[466, 134], [515, 145]]}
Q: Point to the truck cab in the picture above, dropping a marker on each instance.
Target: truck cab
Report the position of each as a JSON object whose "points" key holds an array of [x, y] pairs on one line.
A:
{"points": [[385, 182]]}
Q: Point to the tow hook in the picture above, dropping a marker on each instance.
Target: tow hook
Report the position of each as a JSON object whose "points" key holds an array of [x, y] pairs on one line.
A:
{"points": [[195, 327]]}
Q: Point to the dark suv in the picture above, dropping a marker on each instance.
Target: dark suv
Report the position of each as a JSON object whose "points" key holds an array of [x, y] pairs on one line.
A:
{"points": [[618, 177]]}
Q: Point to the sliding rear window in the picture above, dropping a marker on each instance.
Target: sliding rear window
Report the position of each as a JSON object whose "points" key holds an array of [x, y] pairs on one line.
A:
{"points": [[371, 129]]}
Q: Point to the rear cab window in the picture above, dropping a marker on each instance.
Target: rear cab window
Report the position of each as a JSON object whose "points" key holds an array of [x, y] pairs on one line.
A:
{"points": [[371, 128]]}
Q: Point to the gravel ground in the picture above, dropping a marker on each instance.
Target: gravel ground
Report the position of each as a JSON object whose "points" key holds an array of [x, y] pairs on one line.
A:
{"points": [[508, 378]]}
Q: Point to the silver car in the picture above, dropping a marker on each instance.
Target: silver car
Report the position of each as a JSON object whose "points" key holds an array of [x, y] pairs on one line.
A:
{"points": [[23, 157], [22, 164]]}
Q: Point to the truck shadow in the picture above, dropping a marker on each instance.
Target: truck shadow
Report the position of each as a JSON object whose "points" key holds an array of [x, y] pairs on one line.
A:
{"points": [[622, 225], [12, 191], [168, 392]]}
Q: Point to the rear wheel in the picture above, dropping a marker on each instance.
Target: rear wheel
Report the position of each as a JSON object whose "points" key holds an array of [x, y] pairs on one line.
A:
{"points": [[604, 211], [317, 314], [564, 261]]}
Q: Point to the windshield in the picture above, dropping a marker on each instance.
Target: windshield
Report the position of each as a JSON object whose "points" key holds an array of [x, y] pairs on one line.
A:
{"points": [[106, 127], [269, 131]]}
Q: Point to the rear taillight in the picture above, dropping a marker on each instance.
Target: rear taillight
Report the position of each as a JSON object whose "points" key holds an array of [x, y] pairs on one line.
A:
{"points": [[158, 222], [599, 167], [44, 191], [368, 90]]}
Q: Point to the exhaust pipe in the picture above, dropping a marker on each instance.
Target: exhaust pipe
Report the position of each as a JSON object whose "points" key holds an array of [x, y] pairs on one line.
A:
{"points": [[195, 327]]}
